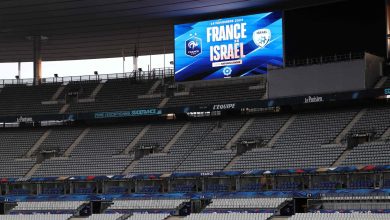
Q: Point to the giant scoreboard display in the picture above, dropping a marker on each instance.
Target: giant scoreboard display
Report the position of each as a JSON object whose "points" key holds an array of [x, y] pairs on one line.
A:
{"points": [[229, 47]]}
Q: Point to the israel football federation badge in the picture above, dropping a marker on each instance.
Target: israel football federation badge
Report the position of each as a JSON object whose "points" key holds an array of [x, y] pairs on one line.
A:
{"points": [[262, 37], [193, 46]]}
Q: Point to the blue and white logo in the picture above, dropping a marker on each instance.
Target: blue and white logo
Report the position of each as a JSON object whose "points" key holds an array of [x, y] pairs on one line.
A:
{"points": [[262, 37], [193, 46], [227, 71]]}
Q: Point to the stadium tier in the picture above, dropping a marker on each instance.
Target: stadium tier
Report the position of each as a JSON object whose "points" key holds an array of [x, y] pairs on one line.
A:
{"points": [[36, 217], [229, 216], [292, 140], [117, 95], [269, 110], [166, 151], [339, 216]]}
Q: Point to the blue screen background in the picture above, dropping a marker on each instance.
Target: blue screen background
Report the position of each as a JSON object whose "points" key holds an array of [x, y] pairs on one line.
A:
{"points": [[255, 61]]}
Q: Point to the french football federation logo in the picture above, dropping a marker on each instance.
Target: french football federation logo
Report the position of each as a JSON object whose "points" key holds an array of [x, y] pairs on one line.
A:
{"points": [[262, 37], [193, 46]]}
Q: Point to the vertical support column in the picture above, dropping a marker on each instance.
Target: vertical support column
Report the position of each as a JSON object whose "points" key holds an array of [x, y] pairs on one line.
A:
{"points": [[19, 68], [37, 60], [388, 29], [135, 63]]}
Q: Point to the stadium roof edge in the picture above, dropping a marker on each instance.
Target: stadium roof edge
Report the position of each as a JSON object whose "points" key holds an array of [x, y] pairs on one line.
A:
{"points": [[101, 29]]}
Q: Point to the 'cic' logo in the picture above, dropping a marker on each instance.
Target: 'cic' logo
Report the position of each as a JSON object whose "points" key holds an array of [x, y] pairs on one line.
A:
{"points": [[227, 71], [193, 46]]}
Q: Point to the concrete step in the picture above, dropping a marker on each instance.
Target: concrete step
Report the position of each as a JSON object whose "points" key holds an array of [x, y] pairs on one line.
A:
{"points": [[163, 103], [76, 142], [38, 143], [240, 132], [176, 137], [386, 134], [96, 90], [33, 169], [348, 128], [64, 109], [136, 139], [154, 87], [281, 131], [341, 158], [130, 167], [381, 82], [58, 93], [279, 217], [232, 163], [174, 218]]}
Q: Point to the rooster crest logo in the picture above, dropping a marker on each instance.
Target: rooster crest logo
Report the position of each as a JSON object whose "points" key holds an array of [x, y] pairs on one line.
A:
{"points": [[193, 46]]}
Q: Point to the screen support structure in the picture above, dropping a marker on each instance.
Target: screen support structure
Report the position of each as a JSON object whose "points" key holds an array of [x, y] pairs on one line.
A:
{"points": [[388, 30]]}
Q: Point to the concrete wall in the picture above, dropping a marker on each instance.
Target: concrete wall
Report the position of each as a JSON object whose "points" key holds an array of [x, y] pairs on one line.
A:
{"points": [[317, 79], [374, 69]]}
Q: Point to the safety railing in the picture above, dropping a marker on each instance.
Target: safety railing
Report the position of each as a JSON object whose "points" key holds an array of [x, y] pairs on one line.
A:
{"points": [[324, 59], [136, 75]]}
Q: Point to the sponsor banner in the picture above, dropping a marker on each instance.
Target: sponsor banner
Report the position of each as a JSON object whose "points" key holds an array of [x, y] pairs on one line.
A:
{"points": [[130, 113], [380, 93], [224, 106], [314, 99], [228, 47]]}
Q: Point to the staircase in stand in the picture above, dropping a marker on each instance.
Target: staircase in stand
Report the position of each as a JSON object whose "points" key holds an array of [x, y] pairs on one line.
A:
{"points": [[281, 131], [76, 142], [349, 127], [36, 146], [31, 172], [133, 164], [134, 142], [232, 163], [176, 137], [240, 132], [96, 90], [341, 158]]}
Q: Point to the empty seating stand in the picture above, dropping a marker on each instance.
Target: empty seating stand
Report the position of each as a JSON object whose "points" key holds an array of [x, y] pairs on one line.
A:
{"points": [[375, 153], [118, 95], [375, 121], [79, 89], [59, 140], [144, 216], [229, 216], [305, 143], [104, 217], [339, 216], [209, 153], [219, 94], [14, 145], [151, 204], [245, 203], [68, 207], [98, 153], [308, 142], [36, 217], [23, 100]]}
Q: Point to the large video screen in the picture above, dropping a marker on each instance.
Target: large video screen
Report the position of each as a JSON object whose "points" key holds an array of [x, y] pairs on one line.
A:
{"points": [[229, 47]]}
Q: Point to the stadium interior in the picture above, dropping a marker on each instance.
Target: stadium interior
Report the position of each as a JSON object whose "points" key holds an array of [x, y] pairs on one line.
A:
{"points": [[307, 141]]}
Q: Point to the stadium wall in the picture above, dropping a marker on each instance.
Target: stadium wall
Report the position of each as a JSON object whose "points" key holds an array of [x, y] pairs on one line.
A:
{"points": [[374, 69], [318, 79]]}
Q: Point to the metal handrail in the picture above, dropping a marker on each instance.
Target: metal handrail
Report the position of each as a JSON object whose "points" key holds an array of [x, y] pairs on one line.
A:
{"points": [[161, 73], [137, 75], [324, 59]]}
